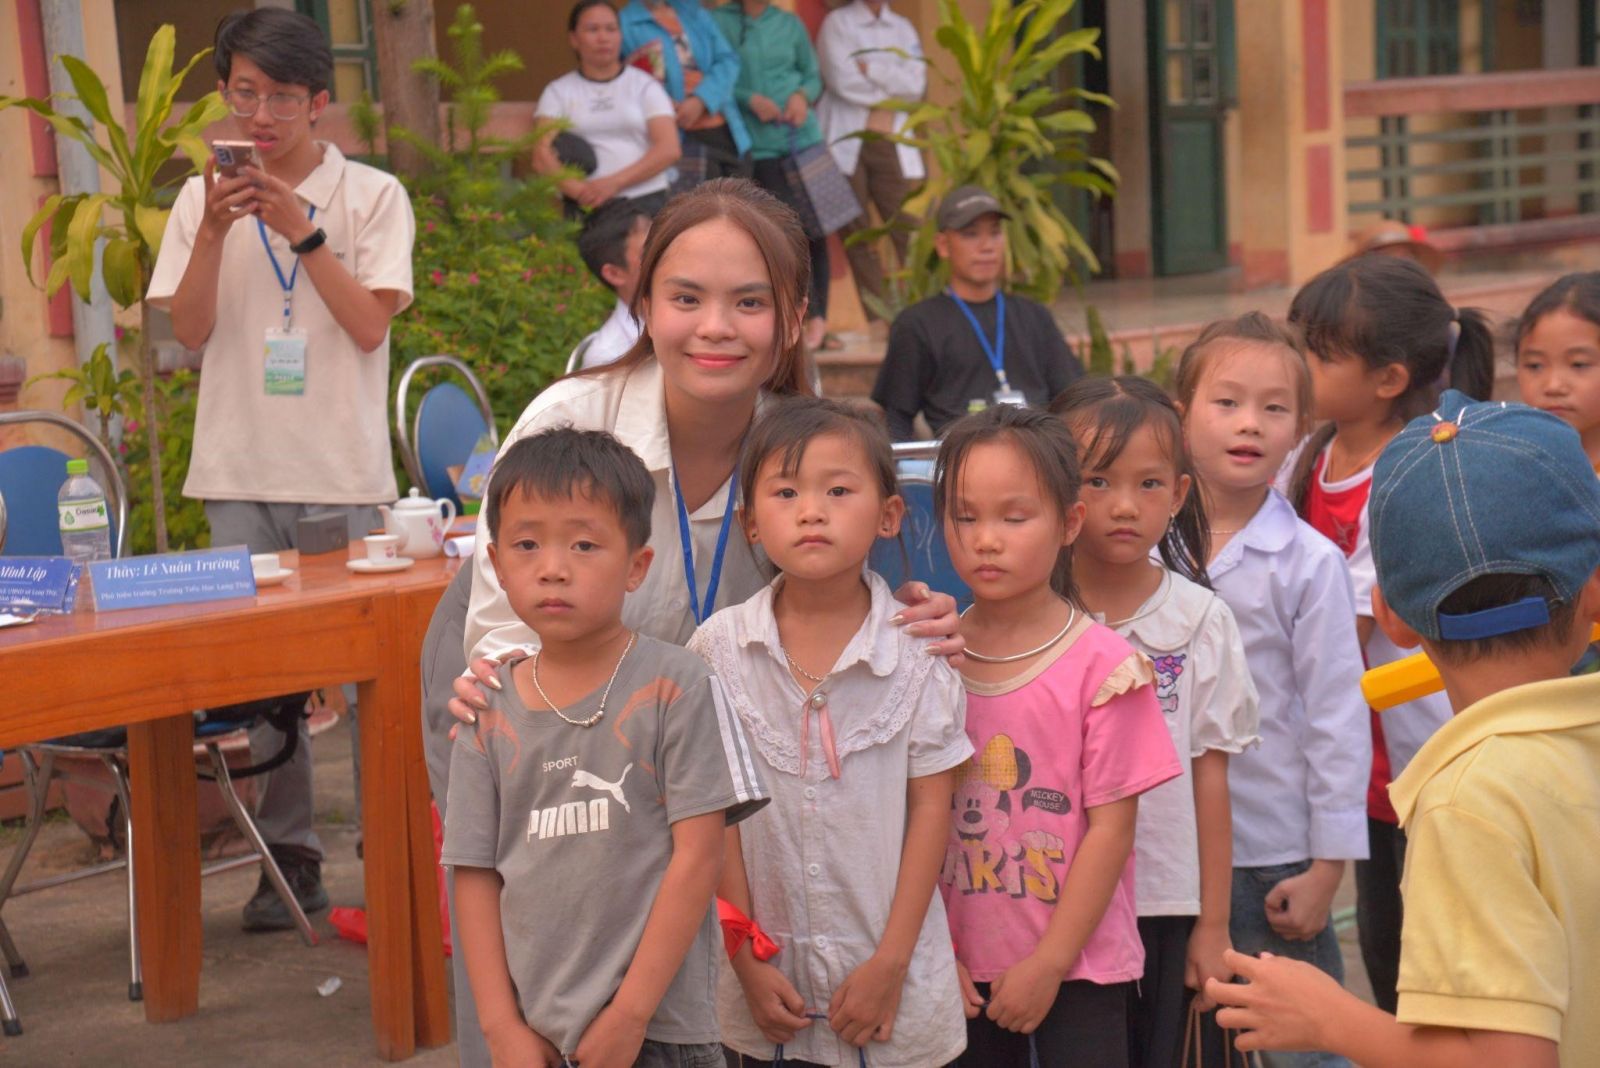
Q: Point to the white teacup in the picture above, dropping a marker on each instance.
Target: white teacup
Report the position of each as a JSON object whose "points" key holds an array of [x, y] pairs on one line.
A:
{"points": [[264, 564], [382, 548]]}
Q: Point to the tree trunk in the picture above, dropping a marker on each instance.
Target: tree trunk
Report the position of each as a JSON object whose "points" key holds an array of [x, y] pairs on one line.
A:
{"points": [[403, 30], [152, 421]]}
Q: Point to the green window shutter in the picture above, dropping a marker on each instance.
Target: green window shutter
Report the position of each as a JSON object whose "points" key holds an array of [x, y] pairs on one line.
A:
{"points": [[1418, 37], [348, 24]]}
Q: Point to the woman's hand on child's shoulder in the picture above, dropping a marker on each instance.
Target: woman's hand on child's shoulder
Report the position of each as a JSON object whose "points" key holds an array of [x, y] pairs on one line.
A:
{"points": [[472, 691], [930, 614], [864, 1006], [516, 1045], [775, 1005], [1022, 997]]}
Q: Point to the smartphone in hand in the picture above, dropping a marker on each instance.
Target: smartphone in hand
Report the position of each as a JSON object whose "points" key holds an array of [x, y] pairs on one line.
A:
{"points": [[231, 155]]}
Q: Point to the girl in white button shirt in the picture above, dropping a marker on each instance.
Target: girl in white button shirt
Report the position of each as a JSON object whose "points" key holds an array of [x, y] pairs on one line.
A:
{"points": [[1140, 500], [1299, 799], [859, 732]]}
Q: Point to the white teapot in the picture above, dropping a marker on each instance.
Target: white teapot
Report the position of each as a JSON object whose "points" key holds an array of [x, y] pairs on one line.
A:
{"points": [[419, 523]]}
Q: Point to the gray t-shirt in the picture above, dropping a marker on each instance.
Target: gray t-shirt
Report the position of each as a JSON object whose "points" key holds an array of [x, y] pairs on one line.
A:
{"points": [[577, 821]]}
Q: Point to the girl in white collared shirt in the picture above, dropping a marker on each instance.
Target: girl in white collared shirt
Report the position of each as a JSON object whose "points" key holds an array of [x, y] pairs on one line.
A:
{"points": [[1299, 798], [859, 731]]}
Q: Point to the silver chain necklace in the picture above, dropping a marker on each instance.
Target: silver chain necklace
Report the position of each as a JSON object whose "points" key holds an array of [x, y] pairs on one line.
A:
{"points": [[814, 678], [606, 693], [1072, 618]]}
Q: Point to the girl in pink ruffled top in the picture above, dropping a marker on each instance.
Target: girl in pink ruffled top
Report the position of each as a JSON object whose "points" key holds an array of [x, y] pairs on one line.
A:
{"points": [[1067, 731]]}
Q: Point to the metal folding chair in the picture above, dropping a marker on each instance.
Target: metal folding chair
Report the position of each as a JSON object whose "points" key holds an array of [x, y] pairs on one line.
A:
{"points": [[445, 429]]}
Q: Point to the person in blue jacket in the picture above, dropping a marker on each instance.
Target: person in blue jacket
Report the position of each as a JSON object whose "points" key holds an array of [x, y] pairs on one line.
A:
{"points": [[677, 42]]}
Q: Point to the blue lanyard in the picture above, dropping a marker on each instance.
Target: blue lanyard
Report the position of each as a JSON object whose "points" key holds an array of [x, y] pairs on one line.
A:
{"points": [[688, 547], [997, 351], [294, 273]]}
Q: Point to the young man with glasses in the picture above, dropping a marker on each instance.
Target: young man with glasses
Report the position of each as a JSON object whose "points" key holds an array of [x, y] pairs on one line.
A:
{"points": [[286, 277]]}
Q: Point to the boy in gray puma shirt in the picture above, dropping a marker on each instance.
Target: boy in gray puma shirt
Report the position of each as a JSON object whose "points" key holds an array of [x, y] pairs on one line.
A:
{"points": [[587, 805]]}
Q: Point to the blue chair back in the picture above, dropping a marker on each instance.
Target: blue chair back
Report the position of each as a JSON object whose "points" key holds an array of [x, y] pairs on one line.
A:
{"points": [[924, 547], [30, 478], [449, 424]]}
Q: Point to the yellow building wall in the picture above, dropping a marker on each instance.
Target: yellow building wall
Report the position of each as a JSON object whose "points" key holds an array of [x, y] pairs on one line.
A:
{"points": [[24, 312], [1285, 170]]}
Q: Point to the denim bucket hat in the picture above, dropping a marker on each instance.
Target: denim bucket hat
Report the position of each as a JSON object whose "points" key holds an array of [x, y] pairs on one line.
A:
{"points": [[1482, 488]]}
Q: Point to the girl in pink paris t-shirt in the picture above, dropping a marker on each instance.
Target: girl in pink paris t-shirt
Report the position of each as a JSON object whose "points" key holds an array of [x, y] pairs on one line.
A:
{"points": [[1067, 732]]}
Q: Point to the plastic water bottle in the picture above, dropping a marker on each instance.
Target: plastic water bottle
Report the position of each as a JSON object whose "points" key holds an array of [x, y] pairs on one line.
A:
{"points": [[85, 523]]}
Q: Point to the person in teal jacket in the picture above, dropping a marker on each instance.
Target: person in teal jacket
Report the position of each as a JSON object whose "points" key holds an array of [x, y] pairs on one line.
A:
{"points": [[677, 42], [779, 79]]}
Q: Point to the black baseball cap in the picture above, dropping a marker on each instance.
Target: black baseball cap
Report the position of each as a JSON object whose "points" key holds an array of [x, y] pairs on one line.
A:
{"points": [[966, 203]]}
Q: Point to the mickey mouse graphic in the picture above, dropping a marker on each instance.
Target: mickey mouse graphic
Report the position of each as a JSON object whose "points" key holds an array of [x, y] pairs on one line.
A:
{"points": [[985, 857]]}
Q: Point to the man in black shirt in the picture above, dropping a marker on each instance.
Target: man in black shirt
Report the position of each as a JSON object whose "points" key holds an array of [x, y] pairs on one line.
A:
{"points": [[972, 342]]}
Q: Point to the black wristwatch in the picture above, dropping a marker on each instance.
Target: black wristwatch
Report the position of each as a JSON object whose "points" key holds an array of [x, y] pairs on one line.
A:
{"points": [[318, 238]]}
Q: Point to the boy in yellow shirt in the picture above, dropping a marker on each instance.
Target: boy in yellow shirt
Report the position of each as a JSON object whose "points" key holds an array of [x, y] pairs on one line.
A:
{"points": [[1485, 523]]}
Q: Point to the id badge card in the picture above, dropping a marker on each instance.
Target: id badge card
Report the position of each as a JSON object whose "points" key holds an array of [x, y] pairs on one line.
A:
{"points": [[1010, 396], [285, 363]]}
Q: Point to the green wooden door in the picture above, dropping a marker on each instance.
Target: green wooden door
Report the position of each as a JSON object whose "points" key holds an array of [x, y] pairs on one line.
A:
{"points": [[1191, 79]]}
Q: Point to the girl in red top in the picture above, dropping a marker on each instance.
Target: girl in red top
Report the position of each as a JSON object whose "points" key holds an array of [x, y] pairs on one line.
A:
{"points": [[1383, 342]]}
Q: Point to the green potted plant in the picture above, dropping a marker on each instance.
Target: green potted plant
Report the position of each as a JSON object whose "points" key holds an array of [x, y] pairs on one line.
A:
{"points": [[1011, 131], [130, 220]]}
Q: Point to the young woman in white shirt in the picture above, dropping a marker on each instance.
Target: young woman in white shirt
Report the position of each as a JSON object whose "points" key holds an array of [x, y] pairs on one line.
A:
{"points": [[858, 733], [622, 112], [1140, 563], [1299, 799], [721, 297]]}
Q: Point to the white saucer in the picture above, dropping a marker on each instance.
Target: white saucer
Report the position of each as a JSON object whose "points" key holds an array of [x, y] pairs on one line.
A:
{"points": [[276, 578], [367, 567]]}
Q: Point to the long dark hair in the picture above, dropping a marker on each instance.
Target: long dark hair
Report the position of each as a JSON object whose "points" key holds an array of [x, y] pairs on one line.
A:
{"points": [[1384, 310], [1104, 414], [775, 229], [1578, 293], [1050, 451]]}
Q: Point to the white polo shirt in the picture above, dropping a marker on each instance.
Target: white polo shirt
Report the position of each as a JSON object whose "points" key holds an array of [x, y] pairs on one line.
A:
{"points": [[631, 405], [329, 445]]}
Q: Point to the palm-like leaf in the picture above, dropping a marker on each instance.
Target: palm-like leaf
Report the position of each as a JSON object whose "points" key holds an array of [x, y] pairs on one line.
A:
{"points": [[1010, 131]]}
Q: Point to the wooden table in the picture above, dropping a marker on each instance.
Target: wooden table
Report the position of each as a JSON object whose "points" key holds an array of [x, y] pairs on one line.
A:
{"points": [[150, 667]]}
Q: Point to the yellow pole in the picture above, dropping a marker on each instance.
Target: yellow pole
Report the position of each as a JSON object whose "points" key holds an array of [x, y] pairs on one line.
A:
{"points": [[1406, 680]]}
